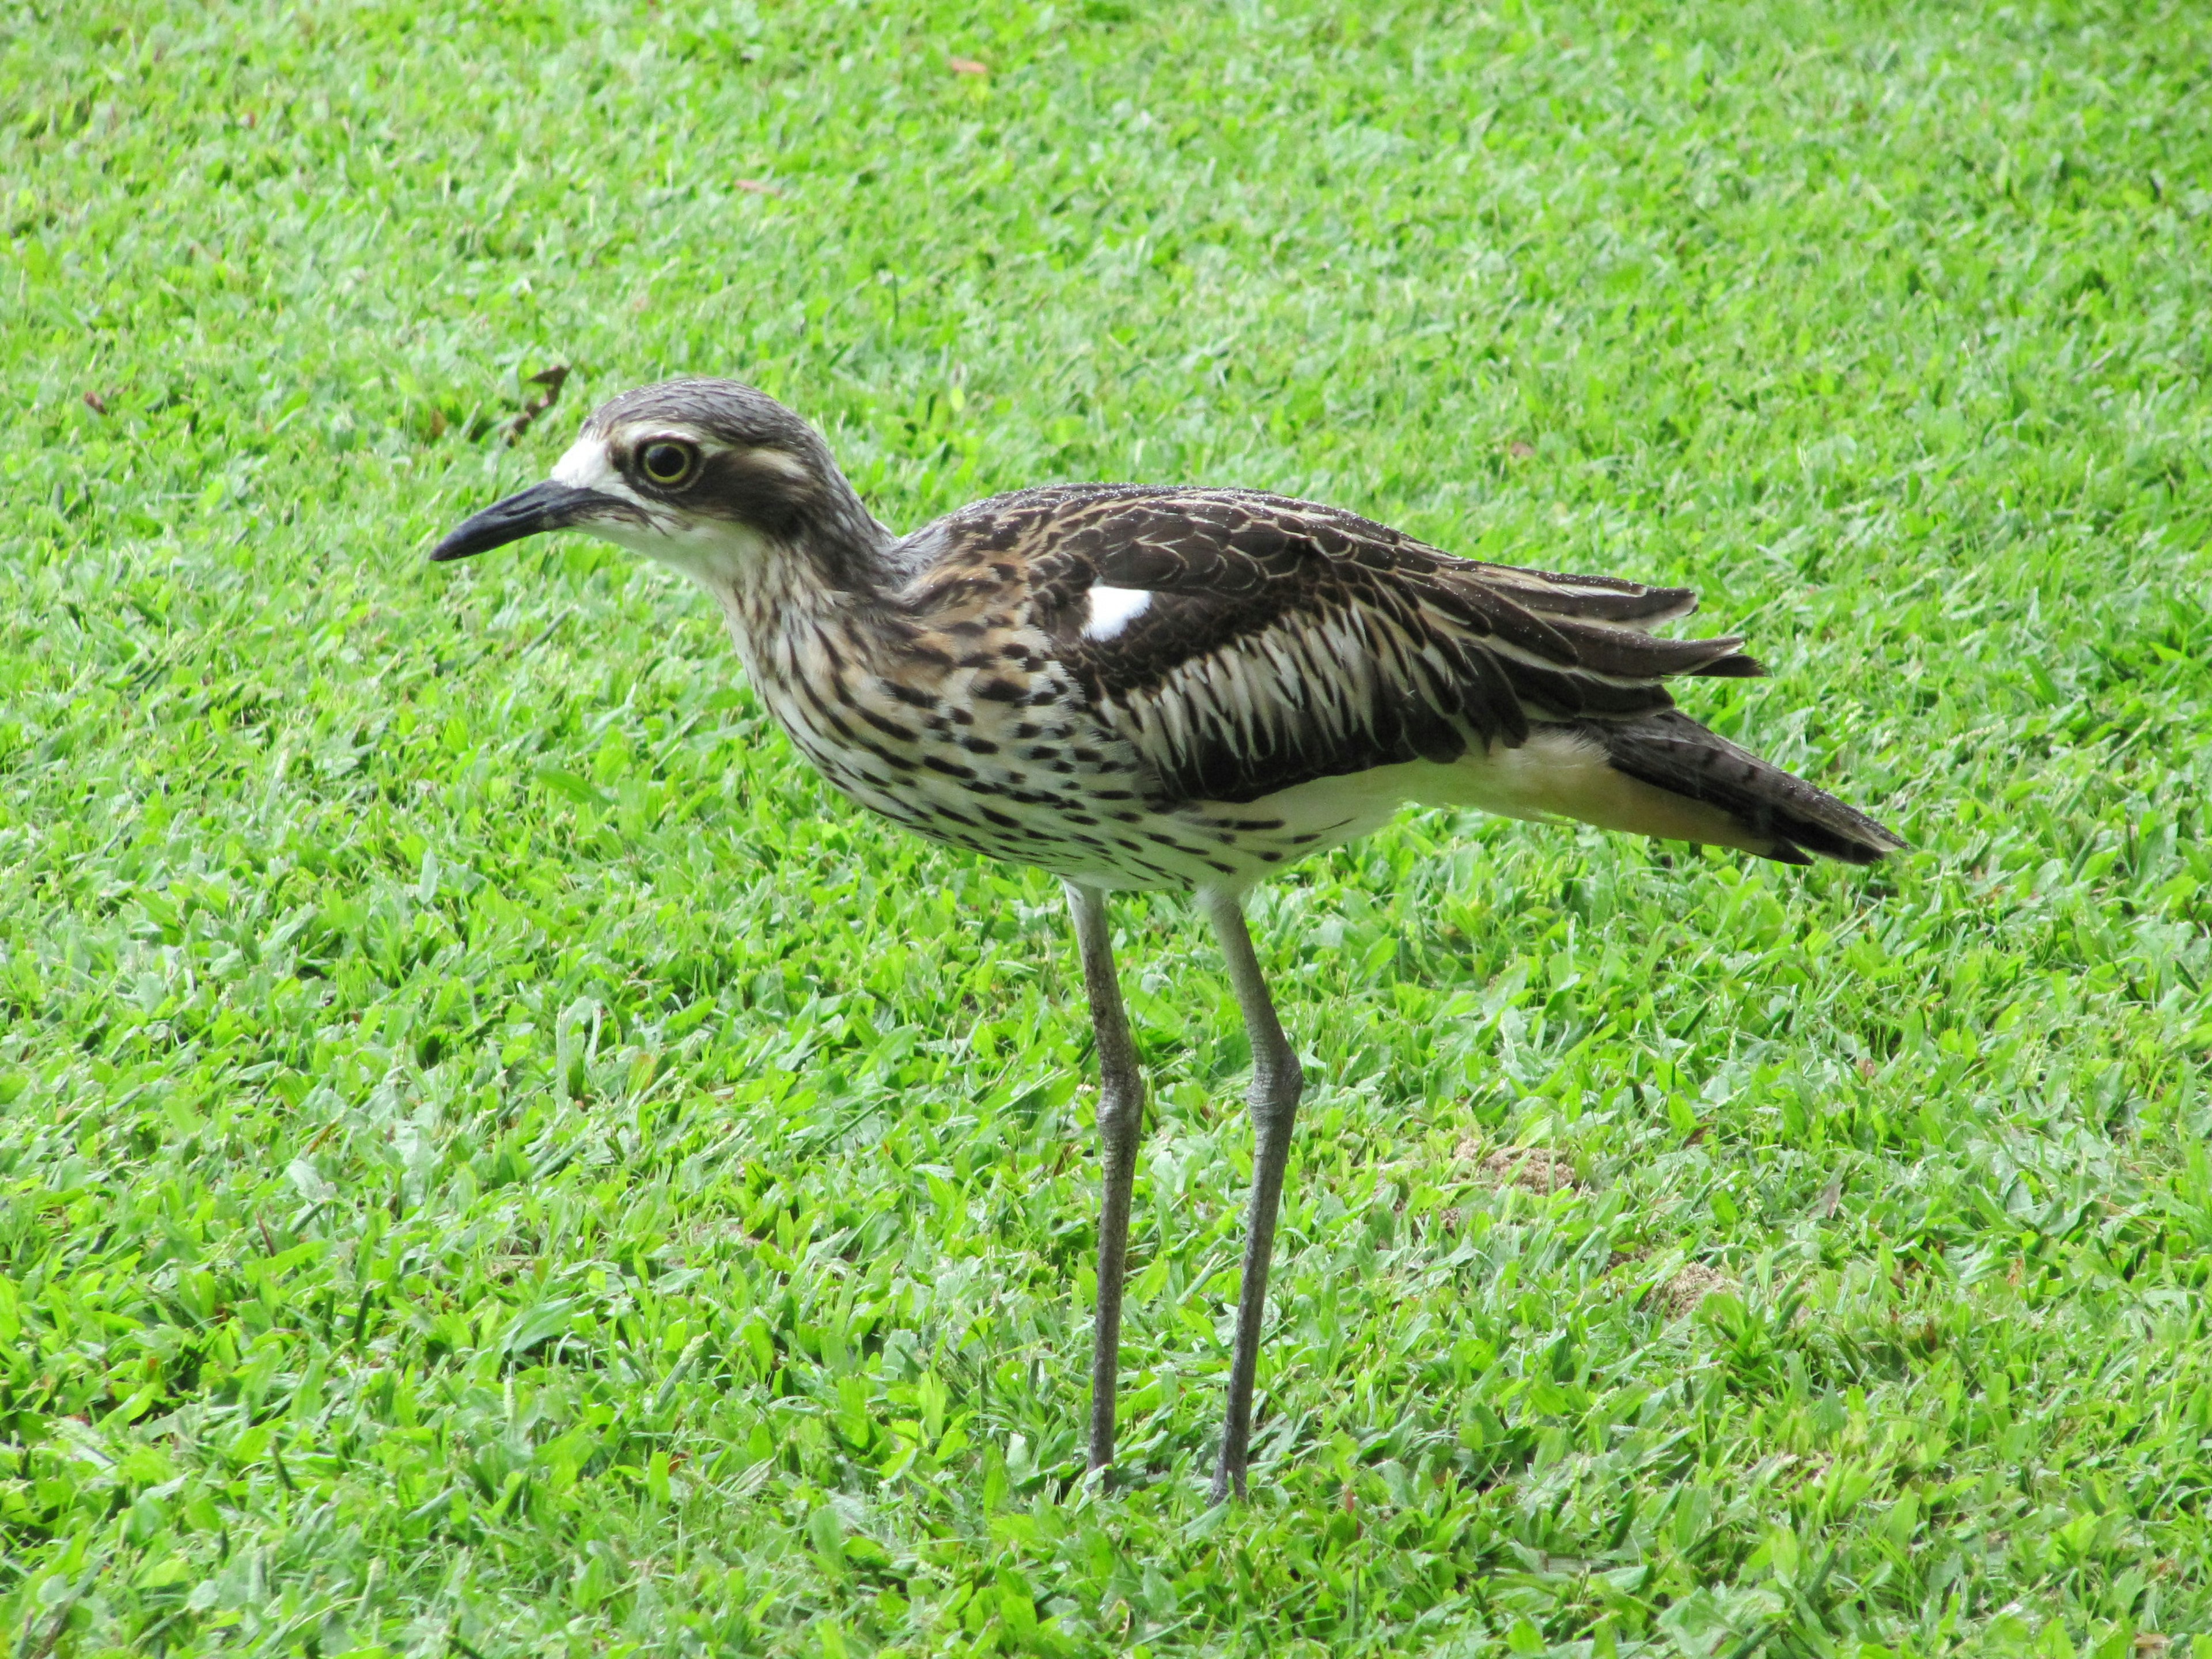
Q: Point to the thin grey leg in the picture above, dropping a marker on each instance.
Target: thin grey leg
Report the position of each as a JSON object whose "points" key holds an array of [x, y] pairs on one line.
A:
{"points": [[1277, 1082], [1120, 1113]]}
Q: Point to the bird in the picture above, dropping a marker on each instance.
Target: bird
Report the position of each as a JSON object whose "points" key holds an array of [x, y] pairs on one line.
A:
{"points": [[1149, 687]]}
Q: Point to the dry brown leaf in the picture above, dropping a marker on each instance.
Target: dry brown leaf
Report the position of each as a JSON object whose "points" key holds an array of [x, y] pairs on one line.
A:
{"points": [[551, 380], [1539, 1168], [758, 187], [1693, 1285], [968, 66]]}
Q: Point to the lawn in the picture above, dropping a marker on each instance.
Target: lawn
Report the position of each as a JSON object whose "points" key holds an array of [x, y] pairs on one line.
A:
{"points": [[497, 1159]]}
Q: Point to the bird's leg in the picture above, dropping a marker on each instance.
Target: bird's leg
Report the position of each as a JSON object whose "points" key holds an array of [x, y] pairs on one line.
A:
{"points": [[1277, 1083], [1121, 1114]]}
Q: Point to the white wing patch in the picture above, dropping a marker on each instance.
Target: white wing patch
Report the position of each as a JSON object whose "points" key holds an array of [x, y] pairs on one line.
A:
{"points": [[1112, 608]]}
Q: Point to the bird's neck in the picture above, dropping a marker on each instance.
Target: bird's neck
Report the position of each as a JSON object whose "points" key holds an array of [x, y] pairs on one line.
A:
{"points": [[848, 550], [833, 565], [826, 552]]}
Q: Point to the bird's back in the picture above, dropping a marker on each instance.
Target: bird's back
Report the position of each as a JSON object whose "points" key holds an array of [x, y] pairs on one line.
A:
{"points": [[1312, 666]]}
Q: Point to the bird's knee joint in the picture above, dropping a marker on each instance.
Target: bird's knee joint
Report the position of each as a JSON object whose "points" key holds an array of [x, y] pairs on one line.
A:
{"points": [[1275, 1095], [1118, 1113]]}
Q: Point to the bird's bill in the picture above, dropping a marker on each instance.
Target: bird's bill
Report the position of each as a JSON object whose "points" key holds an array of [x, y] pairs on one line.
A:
{"points": [[548, 506]]}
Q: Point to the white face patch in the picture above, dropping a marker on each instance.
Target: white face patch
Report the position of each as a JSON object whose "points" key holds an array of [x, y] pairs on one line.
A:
{"points": [[714, 554], [585, 466], [1112, 608]]}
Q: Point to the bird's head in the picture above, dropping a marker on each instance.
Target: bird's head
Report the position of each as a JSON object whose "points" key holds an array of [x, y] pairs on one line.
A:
{"points": [[709, 477]]}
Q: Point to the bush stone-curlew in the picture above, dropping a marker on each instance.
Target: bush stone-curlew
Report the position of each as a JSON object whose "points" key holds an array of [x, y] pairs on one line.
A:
{"points": [[1140, 687]]}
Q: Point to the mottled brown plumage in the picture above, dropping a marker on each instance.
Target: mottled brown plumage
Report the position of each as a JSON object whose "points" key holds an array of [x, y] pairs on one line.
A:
{"points": [[1135, 686], [1286, 643]]}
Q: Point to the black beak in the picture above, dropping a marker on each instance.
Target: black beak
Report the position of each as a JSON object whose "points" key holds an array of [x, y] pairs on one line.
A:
{"points": [[541, 507]]}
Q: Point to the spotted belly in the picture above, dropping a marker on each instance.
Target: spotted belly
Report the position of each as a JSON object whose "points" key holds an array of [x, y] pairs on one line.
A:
{"points": [[1007, 760], [1060, 824]]}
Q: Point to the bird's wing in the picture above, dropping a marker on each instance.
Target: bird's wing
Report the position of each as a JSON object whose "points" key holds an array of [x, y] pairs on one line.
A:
{"points": [[1245, 643]]}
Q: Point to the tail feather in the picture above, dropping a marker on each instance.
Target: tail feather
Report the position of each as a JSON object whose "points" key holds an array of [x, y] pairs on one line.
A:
{"points": [[1671, 751], [1734, 666], [1593, 598]]}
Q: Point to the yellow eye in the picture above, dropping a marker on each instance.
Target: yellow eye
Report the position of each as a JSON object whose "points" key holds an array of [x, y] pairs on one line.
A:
{"points": [[668, 463]]}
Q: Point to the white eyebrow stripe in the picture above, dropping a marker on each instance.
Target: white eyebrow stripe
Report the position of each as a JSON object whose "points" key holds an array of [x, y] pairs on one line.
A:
{"points": [[1112, 608], [779, 460], [589, 463]]}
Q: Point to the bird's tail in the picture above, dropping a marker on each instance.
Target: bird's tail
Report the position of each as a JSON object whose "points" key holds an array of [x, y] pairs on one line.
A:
{"points": [[1782, 817]]}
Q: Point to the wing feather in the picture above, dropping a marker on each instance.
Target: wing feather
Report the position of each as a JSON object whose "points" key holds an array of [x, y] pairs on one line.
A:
{"points": [[1287, 641]]}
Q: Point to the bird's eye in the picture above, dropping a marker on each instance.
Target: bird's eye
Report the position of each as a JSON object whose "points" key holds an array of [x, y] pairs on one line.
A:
{"points": [[666, 463]]}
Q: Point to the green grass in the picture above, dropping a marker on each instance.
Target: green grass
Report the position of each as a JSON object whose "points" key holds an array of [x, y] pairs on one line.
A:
{"points": [[494, 1159]]}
